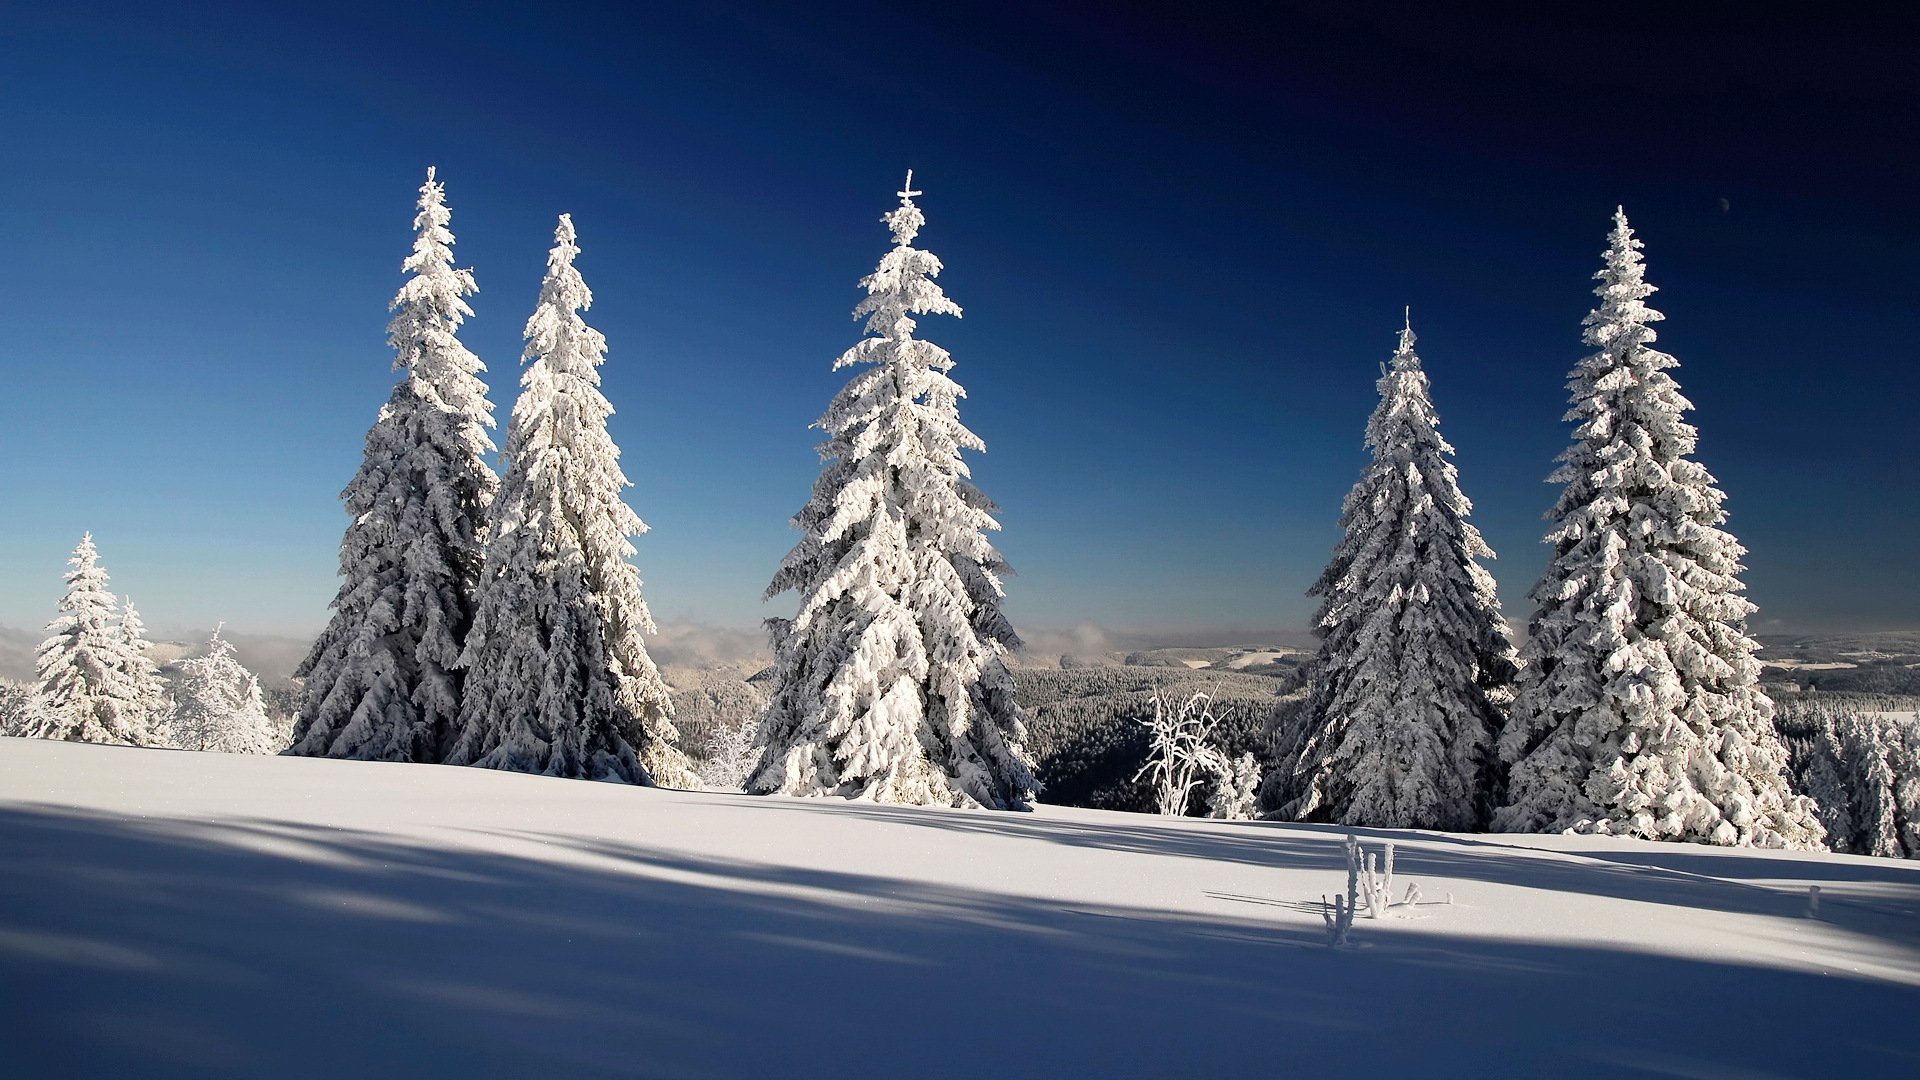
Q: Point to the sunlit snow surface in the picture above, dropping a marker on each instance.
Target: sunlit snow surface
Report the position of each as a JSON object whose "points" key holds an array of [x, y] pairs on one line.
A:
{"points": [[165, 913]]}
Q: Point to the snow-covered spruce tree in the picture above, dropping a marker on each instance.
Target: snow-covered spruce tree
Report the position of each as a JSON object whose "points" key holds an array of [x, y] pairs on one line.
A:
{"points": [[22, 710], [380, 682], [220, 705], [1638, 709], [558, 677], [891, 681], [149, 686], [1415, 668], [1235, 789], [88, 673]]}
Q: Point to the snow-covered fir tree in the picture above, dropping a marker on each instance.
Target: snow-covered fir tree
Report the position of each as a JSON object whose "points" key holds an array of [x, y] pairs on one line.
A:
{"points": [[380, 683], [558, 677], [1235, 789], [891, 681], [1415, 667], [149, 686], [89, 675], [1638, 710], [23, 710], [220, 705]]}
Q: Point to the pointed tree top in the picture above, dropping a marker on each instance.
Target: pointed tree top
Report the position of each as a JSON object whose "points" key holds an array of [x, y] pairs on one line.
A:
{"points": [[1622, 237], [1403, 356], [430, 171], [564, 231], [905, 220]]}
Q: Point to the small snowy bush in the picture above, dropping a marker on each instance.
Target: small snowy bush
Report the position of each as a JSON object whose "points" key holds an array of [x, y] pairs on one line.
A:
{"points": [[1183, 755]]}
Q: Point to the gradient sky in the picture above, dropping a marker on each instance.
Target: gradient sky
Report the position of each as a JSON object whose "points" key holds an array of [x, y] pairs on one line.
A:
{"points": [[1183, 244]]}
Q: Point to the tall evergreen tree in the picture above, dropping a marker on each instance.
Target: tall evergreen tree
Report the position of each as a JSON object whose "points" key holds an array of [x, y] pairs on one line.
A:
{"points": [[1639, 709], [559, 681], [87, 670], [1415, 667], [149, 686], [380, 683], [220, 704], [892, 679]]}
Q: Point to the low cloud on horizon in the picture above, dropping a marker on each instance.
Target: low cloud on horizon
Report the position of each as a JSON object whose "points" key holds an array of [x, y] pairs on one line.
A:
{"points": [[681, 644]]}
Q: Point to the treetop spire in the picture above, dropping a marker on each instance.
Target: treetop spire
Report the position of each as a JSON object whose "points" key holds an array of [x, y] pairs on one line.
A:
{"points": [[905, 220], [1403, 357]]}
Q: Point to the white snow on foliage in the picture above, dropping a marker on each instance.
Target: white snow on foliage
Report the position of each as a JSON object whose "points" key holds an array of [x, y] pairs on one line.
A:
{"points": [[1639, 709], [220, 705], [96, 685], [1415, 667], [380, 683], [558, 677], [892, 680], [172, 915]]}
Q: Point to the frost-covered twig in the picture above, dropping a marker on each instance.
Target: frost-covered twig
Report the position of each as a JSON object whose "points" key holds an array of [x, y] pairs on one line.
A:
{"points": [[1376, 881], [1369, 880], [1338, 911]]}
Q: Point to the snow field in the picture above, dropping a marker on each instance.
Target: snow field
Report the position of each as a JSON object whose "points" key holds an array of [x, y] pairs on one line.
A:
{"points": [[174, 914]]}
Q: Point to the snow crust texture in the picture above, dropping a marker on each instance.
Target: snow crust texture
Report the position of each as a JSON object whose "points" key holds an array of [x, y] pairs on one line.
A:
{"points": [[1639, 710], [892, 680], [207, 916]]}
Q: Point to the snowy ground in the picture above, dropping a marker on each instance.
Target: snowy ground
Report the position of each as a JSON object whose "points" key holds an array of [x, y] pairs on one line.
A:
{"points": [[165, 913]]}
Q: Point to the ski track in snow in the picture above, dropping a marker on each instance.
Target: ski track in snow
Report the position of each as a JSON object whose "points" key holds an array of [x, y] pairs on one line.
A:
{"points": [[172, 914]]}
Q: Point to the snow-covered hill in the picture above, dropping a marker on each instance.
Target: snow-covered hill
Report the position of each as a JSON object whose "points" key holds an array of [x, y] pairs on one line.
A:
{"points": [[165, 913]]}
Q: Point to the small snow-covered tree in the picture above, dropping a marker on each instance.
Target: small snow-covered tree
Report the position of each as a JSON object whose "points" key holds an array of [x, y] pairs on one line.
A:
{"points": [[1235, 789], [892, 681], [730, 755], [1868, 762], [558, 677], [149, 686], [1904, 763], [380, 683], [1639, 709], [220, 705], [1415, 667], [88, 673], [22, 710]]}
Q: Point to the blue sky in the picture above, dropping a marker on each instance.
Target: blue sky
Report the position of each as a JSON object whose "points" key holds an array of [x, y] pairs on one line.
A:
{"points": [[1183, 246]]}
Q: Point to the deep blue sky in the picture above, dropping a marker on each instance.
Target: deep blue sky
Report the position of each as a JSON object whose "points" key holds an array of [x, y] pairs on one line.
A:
{"points": [[1183, 242]]}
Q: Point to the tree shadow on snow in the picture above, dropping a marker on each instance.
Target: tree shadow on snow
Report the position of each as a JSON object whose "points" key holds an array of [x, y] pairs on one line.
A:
{"points": [[1684, 878], [163, 947]]}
